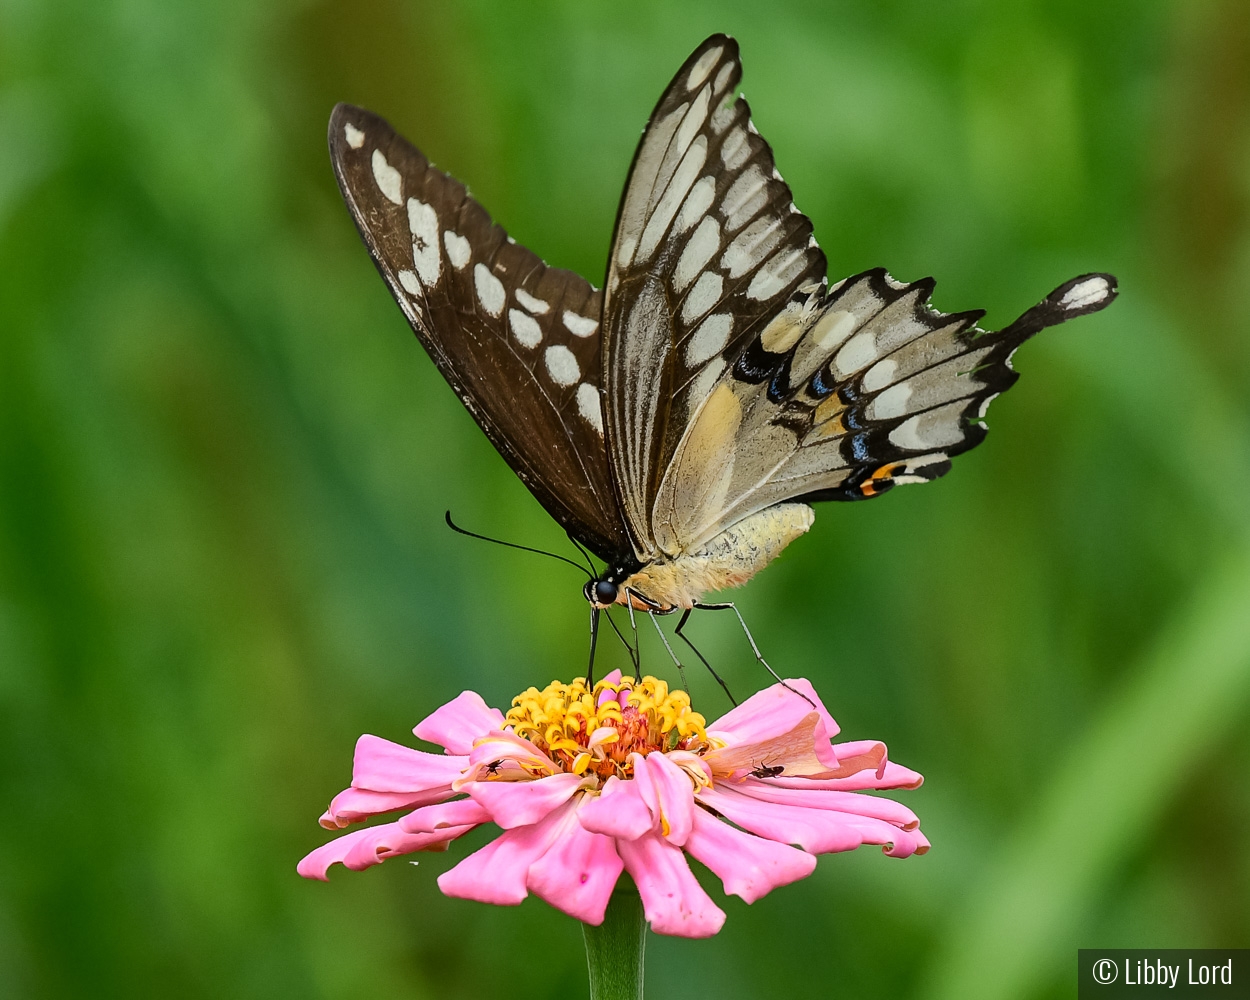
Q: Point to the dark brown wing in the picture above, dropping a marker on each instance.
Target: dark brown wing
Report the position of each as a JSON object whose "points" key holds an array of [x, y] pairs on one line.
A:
{"points": [[708, 247], [518, 341]]}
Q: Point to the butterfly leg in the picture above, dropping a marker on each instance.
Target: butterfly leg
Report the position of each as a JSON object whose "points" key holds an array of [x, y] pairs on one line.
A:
{"points": [[681, 671], [684, 638], [730, 606], [637, 642], [631, 650]]}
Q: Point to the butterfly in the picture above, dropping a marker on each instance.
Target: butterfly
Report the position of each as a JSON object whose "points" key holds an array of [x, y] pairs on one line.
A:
{"points": [[679, 422]]}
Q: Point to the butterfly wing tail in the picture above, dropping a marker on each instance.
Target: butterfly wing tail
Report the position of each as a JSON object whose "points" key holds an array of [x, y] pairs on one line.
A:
{"points": [[1085, 294]]}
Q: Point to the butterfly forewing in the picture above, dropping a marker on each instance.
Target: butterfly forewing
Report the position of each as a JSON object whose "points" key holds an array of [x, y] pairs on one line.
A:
{"points": [[518, 341], [708, 247]]}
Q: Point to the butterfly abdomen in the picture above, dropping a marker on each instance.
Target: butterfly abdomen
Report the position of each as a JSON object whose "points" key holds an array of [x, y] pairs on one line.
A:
{"points": [[729, 560]]}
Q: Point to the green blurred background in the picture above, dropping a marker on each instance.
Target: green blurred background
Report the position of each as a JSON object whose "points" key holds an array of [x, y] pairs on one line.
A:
{"points": [[224, 461]]}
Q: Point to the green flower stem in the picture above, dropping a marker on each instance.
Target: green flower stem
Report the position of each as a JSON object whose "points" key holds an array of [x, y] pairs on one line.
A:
{"points": [[614, 949]]}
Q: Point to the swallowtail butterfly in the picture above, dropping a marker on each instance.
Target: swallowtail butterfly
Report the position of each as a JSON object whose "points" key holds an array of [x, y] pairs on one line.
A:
{"points": [[679, 422]]}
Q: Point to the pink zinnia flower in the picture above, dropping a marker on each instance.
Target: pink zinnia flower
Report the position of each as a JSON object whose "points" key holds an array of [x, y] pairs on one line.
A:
{"points": [[587, 783]]}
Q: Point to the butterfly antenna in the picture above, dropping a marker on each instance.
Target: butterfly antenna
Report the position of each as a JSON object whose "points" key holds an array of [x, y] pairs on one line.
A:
{"points": [[512, 545], [582, 549]]}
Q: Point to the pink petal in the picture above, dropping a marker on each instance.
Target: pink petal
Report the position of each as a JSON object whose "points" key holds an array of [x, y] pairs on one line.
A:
{"points": [[383, 766], [673, 795], [458, 723], [886, 775], [522, 803], [462, 812], [817, 831], [618, 811], [775, 711], [363, 848], [904, 844], [818, 798], [865, 750], [355, 804], [750, 867], [497, 873], [673, 901], [892, 776], [500, 745], [577, 875]]}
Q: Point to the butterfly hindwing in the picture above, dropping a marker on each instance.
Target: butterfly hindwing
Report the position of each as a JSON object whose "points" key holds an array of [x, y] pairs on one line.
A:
{"points": [[518, 341], [708, 247], [845, 394]]}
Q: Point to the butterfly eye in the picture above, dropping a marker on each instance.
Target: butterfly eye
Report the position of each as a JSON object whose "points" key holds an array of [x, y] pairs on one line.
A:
{"points": [[605, 592]]}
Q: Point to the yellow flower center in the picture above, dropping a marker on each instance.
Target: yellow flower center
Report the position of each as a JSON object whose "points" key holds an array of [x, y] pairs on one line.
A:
{"points": [[596, 730]]}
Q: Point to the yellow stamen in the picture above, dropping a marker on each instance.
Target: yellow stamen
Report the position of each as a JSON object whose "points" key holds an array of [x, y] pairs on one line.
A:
{"points": [[613, 720]]}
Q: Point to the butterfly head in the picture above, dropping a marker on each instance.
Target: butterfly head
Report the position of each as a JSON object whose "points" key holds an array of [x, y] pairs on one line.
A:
{"points": [[601, 593], [620, 585]]}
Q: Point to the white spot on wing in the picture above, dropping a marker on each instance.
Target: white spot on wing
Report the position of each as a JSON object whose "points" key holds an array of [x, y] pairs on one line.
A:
{"points": [[859, 352], [721, 118], [700, 70], [562, 366], [692, 124], [709, 339], [705, 294], [697, 203], [780, 270], [736, 149], [423, 224], [746, 196], [880, 375], [525, 328], [1086, 293], [489, 289], [722, 78], [832, 328], [751, 246], [704, 381], [667, 207], [457, 249], [579, 326], [699, 250], [589, 407], [537, 306], [783, 332], [891, 403], [389, 181], [626, 252], [355, 138], [937, 428], [411, 285], [645, 179]]}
